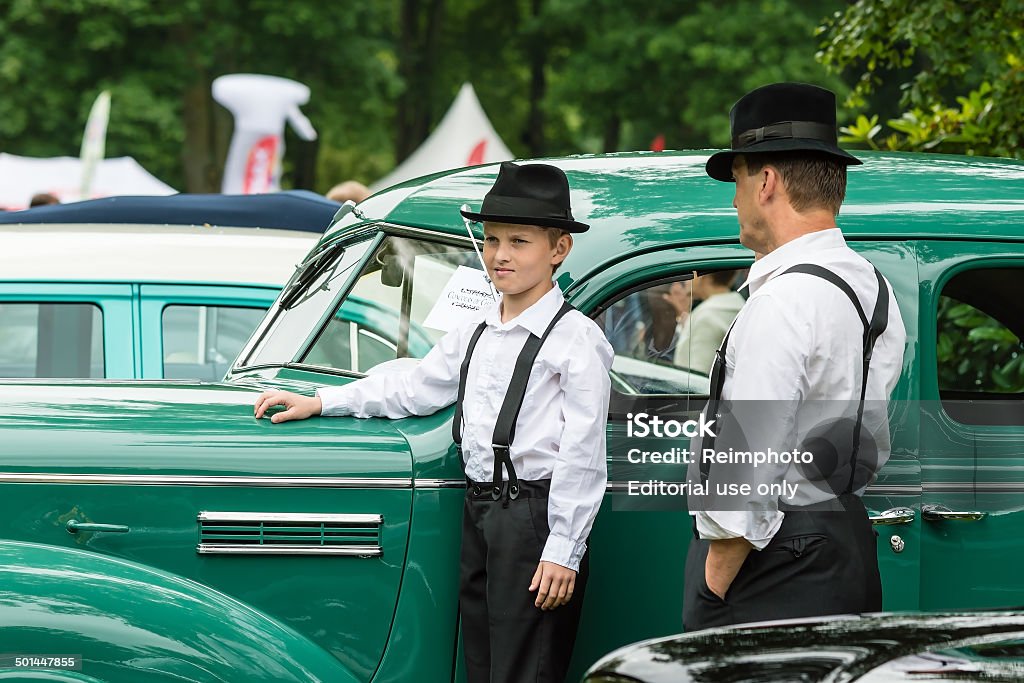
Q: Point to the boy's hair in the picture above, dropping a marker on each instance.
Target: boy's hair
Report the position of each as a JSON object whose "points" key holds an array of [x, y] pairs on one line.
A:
{"points": [[812, 181], [554, 234]]}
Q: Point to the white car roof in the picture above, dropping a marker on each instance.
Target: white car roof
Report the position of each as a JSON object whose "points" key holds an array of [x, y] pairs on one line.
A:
{"points": [[151, 253]]}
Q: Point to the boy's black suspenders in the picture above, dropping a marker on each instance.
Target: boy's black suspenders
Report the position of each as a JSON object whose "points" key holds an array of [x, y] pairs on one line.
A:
{"points": [[505, 425], [873, 329]]}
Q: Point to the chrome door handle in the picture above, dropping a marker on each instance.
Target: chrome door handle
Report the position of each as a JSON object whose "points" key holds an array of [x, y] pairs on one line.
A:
{"points": [[899, 515], [74, 527], [941, 513]]}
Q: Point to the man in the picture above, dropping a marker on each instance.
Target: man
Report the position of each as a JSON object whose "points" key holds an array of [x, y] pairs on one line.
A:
{"points": [[798, 348]]}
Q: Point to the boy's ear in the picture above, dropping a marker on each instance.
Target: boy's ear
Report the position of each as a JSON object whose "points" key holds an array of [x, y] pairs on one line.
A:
{"points": [[562, 248]]}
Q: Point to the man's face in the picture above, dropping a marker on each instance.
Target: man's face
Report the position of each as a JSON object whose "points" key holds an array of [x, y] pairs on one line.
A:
{"points": [[752, 227], [519, 257]]}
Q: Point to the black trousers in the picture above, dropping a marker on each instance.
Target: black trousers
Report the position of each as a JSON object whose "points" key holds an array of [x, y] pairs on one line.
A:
{"points": [[505, 638], [819, 563]]}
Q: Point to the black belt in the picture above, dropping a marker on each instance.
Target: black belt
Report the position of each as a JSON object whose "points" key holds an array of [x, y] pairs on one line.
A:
{"points": [[527, 489]]}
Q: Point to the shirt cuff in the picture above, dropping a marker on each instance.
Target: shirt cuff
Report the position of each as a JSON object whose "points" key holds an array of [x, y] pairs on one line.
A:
{"points": [[564, 551], [758, 528], [333, 401]]}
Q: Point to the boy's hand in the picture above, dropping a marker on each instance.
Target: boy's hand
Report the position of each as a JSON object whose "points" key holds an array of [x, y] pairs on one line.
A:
{"points": [[297, 407], [554, 584]]}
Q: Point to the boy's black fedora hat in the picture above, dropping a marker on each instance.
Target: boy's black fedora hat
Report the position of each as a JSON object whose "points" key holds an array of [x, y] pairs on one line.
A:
{"points": [[529, 194], [781, 117]]}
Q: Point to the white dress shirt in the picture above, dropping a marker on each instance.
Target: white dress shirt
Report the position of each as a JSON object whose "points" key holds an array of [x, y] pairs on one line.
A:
{"points": [[798, 339], [560, 433]]}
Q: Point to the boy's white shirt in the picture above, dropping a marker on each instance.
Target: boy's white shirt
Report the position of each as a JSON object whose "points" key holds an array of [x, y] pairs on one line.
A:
{"points": [[560, 433]]}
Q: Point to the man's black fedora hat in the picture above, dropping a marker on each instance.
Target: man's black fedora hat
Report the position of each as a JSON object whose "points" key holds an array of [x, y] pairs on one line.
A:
{"points": [[529, 194], [781, 117]]}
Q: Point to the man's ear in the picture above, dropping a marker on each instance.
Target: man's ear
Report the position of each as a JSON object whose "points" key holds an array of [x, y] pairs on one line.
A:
{"points": [[770, 182]]}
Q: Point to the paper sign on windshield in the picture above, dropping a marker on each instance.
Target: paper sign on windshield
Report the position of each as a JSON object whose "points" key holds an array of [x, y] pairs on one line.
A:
{"points": [[467, 292]]}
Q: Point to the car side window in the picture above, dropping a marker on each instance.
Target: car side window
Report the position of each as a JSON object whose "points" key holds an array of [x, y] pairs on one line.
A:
{"points": [[665, 335], [199, 342], [980, 357], [57, 340]]}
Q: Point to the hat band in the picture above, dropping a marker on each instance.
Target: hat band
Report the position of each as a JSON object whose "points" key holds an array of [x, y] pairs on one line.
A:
{"points": [[785, 130], [497, 205]]}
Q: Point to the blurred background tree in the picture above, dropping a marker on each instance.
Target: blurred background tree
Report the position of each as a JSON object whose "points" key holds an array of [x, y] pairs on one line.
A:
{"points": [[960, 66], [554, 76]]}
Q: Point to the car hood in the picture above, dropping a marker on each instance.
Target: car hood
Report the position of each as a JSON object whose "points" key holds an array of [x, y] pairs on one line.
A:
{"points": [[837, 648], [178, 428]]}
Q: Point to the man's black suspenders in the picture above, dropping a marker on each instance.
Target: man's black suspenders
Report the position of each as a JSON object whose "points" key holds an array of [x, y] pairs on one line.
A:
{"points": [[505, 425], [873, 329]]}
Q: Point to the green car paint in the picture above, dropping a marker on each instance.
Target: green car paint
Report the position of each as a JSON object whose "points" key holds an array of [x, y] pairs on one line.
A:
{"points": [[170, 459]]}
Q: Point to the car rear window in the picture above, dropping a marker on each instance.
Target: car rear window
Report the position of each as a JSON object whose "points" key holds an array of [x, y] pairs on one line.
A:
{"points": [[56, 340], [199, 342]]}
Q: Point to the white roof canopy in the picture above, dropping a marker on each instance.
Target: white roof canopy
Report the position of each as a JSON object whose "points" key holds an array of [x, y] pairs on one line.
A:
{"points": [[464, 137]]}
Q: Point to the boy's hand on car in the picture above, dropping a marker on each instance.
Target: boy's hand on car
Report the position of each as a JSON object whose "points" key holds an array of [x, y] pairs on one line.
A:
{"points": [[554, 585], [297, 407]]}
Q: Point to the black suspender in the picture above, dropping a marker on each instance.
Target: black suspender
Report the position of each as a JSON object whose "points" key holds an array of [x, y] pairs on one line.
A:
{"points": [[873, 329], [505, 425]]}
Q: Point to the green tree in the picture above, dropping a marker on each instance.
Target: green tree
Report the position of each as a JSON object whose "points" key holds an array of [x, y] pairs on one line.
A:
{"points": [[970, 53]]}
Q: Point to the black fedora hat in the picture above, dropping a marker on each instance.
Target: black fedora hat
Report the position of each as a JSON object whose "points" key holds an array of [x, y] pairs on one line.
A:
{"points": [[781, 117], [529, 194]]}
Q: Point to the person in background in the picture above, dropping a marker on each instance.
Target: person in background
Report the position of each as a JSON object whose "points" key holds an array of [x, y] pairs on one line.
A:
{"points": [[350, 189], [704, 329], [43, 199]]}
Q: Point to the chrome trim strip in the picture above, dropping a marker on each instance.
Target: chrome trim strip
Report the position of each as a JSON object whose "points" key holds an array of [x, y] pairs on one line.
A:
{"points": [[439, 483], [974, 487], [191, 480], [342, 550], [297, 517]]}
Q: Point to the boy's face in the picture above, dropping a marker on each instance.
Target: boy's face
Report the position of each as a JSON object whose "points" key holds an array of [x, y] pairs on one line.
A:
{"points": [[521, 257]]}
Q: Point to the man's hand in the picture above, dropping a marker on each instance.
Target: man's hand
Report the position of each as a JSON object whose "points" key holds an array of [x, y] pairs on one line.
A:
{"points": [[554, 584], [297, 407], [725, 557]]}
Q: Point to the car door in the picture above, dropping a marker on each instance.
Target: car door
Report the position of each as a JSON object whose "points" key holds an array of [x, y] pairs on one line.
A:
{"points": [[972, 436], [195, 331], [74, 330], [640, 539]]}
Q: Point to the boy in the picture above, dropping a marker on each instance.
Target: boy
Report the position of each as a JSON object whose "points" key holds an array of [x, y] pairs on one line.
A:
{"points": [[532, 439]]}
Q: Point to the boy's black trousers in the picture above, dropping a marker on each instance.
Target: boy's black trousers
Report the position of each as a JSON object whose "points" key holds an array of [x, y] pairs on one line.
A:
{"points": [[505, 638]]}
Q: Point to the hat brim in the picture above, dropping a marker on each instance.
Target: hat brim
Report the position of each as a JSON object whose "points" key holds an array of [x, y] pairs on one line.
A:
{"points": [[561, 223], [719, 166]]}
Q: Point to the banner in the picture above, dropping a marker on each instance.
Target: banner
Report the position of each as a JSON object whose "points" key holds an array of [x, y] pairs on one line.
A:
{"points": [[94, 141], [261, 105]]}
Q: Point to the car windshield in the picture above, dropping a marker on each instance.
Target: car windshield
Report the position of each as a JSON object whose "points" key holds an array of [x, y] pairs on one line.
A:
{"points": [[407, 294]]}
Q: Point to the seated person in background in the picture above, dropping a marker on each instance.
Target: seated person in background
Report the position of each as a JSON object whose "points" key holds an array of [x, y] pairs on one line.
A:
{"points": [[707, 324], [667, 307]]}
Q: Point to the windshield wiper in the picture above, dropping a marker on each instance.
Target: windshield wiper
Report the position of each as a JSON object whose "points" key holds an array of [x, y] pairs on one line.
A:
{"points": [[309, 271]]}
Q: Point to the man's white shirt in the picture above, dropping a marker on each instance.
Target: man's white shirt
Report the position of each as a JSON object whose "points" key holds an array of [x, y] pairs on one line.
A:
{"points": [[799, 339], [560, 432]]}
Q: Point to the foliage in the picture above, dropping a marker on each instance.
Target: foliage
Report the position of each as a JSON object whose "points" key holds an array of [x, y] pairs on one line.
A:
{"points": [[976, 352], [946, 48]]}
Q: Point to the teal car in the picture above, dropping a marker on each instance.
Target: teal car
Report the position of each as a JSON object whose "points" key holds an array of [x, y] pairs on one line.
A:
{"points": [[160, 532]]}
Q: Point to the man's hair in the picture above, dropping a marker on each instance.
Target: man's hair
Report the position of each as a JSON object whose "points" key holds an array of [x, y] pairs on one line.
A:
{"points": [[722, 278], [43, 199], [812, 180]]}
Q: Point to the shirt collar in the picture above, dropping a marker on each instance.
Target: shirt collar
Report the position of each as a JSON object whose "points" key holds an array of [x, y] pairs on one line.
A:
{"points": [[534, 319], [803, 249]]}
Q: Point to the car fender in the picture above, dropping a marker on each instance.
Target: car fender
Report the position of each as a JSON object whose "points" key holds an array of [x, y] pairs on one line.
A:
{"points": [[129, 622]]}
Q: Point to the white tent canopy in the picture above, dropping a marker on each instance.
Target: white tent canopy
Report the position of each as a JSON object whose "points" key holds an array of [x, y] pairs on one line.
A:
{"points": [[464, 137], [22, 177]]}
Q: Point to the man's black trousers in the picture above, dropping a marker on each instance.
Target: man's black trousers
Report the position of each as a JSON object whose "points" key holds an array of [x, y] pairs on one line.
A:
{"points": [[505, 638], [818, 563]]}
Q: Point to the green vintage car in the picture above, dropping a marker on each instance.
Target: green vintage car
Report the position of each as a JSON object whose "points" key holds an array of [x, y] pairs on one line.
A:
{"points": [[162, 533]]}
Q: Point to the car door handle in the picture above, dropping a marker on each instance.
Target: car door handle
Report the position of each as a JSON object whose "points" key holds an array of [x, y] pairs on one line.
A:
{"points": [[941, 513], [899, 515], [74, 526]]}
